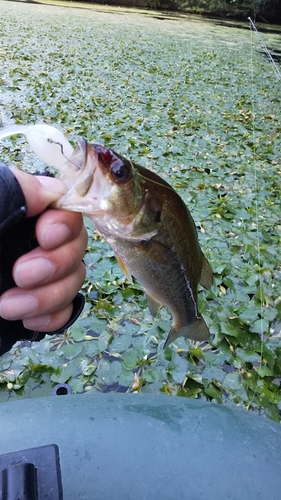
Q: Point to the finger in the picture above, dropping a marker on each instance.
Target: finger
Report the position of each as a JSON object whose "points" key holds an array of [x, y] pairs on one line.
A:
{"points": [[50, 322], [55, 227], [18, 303], [39, 192], [41, 266]]}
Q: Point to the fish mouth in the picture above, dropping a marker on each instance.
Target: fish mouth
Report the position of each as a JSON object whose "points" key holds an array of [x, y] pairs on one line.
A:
{"points": [[87, 186]]}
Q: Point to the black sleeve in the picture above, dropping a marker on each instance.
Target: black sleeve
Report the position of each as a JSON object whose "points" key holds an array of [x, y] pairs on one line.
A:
{"points": [[12, 203], [17, 237]]}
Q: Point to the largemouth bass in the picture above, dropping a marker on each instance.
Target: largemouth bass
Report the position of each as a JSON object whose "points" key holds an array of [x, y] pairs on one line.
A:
{"points": [[148, 227]]}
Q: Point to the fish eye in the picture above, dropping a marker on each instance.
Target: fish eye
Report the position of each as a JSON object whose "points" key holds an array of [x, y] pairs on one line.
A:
{"points": [[121, 172]]}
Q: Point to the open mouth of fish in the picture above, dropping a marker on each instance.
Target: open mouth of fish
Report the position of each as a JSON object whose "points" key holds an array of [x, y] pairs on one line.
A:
{"points": [[87, 186]]}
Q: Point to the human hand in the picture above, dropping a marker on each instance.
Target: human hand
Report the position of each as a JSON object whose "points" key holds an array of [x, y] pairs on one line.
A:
{"points": [[48, 277]]}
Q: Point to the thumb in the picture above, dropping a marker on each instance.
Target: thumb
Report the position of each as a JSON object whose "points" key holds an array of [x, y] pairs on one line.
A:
{"points": [[39, 191]]}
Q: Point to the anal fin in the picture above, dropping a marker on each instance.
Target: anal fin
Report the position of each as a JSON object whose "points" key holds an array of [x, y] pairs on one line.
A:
{"points": [[153, 304], [206, 278]]}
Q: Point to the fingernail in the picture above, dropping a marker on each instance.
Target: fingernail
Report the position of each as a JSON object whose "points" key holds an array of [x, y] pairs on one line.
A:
{"points": [[18, 306], [55, 234], [32, 272], [37, 322]]}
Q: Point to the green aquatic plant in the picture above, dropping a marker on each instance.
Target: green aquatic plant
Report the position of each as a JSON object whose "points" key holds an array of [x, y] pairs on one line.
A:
{"points": [[199, 104]]}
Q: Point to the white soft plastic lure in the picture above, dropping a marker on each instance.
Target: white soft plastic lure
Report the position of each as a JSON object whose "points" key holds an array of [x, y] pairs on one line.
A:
{"points": [[47, 142]]}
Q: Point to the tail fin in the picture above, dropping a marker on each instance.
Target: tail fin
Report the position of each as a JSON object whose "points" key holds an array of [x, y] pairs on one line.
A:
{"points": [[197, 330]]}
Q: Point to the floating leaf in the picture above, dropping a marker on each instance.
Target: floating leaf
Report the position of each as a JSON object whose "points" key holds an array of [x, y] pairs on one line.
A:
{"points": [[78, 332], [130, 358]]}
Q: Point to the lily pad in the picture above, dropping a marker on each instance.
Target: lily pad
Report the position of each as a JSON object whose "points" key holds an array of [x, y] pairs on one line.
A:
{"points": [[199, 104]]}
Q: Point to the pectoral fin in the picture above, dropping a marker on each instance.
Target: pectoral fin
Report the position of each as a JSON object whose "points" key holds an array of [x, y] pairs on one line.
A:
{"points": [[206, 279], [157, 252], [197, 331], [148, 218]]}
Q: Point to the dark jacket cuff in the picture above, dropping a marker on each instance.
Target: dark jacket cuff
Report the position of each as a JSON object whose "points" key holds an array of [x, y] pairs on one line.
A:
{"points": [[12, 202], [17, 237]]}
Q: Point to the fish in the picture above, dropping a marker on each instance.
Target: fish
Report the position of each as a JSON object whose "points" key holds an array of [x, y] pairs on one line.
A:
{"points": [[149, 228]]}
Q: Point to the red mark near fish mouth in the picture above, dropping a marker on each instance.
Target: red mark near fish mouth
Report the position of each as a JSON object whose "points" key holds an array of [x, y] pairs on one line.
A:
{"points": [[104, 154]]}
